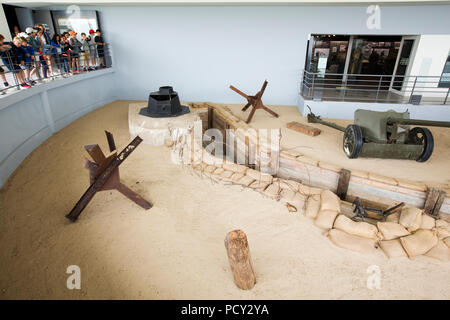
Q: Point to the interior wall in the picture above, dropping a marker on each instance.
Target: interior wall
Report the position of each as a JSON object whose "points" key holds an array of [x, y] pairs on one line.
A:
{"points": [[201, 50], [4, 28], [25, 17]]}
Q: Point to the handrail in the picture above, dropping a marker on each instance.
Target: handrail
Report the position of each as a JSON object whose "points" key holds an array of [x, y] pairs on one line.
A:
{"points": [[374, 88]]}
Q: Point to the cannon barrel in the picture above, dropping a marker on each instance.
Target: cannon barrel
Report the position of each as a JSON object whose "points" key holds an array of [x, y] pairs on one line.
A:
{"points": [[416, 122], [312, 118]]}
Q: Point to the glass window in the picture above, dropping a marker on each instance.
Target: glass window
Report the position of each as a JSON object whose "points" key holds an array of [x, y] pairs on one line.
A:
{"points": [[445, 77]]}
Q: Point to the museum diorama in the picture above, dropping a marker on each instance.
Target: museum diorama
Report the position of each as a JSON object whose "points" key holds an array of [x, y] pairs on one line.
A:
{"points": [[177, 198]]}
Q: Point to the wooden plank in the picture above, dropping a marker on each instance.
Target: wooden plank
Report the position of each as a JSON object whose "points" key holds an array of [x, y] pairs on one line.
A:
{"points": [[433, 202], [344, 179], [303, 128]]}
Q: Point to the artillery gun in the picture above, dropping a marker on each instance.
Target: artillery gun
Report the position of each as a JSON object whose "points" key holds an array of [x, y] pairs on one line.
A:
{"points": [[386, 135]]}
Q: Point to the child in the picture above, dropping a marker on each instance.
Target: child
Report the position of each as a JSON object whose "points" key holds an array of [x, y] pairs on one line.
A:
{"points": [[18, 59], [75, 47], [85, 51], [4, 48], [92, 51], [29, 65]]}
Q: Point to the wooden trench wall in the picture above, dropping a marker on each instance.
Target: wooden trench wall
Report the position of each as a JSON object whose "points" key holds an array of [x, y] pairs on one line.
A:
{"points": [[288, 164]]}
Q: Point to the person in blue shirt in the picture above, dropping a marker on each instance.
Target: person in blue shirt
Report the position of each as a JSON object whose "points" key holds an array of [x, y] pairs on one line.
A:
{"points": [[29, 67]]}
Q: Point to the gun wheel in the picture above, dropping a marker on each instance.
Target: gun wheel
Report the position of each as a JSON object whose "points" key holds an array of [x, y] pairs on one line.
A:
{"points": [[353, 141], [422, 136]]}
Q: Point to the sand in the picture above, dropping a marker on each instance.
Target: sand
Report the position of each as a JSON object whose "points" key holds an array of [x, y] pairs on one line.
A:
{"points": [[328, 147], [176, 249]]}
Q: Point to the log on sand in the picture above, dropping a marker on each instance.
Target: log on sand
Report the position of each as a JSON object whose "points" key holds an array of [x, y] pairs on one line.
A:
{"points": [[239, 256]]}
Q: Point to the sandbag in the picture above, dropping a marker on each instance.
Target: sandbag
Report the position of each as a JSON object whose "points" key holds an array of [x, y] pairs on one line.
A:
{"points": [[441, 252], [298, 201], [209, 169], [411, 218], [312, 206], [273, 190], [443, 229], [290, 185], [237, 168], [419, 242], [391, 230], [428, 222], [329, 201], [352, 242], [442, 232], [362, 229], [259, 185], [259, 176], [447, 241], [393, 217], [392, 248], [287, 194], [246, 181], [309, 191], [325, 219], [236, 177]]}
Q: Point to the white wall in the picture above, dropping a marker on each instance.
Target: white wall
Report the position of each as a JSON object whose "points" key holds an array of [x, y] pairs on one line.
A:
{"points": [[29, 117], [201, 50]]}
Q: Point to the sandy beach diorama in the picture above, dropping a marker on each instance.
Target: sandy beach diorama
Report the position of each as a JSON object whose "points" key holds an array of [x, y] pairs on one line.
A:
{"points": [[201, 200]]}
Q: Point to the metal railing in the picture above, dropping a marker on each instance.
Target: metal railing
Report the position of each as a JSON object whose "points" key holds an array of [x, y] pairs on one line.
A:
{"points": [[21, 73], [373, 88]]}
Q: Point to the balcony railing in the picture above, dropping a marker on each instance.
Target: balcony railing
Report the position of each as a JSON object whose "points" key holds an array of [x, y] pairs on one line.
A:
{"points": [[42, 68], [374, 88]]}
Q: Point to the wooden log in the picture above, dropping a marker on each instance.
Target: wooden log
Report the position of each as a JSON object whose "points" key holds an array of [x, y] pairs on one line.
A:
{"points": [[239, 256], [344, 179], [303, 128]]}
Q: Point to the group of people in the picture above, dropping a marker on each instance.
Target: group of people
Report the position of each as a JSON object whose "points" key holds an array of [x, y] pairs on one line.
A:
{"points": [[34, 56]]}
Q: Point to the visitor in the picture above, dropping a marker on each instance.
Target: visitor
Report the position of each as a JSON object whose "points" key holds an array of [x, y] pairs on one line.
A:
{"points": [[92, 48], [100, 48], [18, 61], [85, 52], [36, 45], [57, 52], [4, 54], [75, 48], [46, 48], [29, 68]]}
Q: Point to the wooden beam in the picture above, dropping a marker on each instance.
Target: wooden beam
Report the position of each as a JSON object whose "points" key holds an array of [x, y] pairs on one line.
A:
{"points": [[344, 179], [303, 128], [433, 202]]}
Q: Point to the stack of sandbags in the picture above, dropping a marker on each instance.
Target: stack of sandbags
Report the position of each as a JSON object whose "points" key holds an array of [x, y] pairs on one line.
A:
{"points": [[330, 206]]}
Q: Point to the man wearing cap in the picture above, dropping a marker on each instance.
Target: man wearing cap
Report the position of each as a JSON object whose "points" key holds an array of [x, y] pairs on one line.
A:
{"points": [[92, 51]]}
